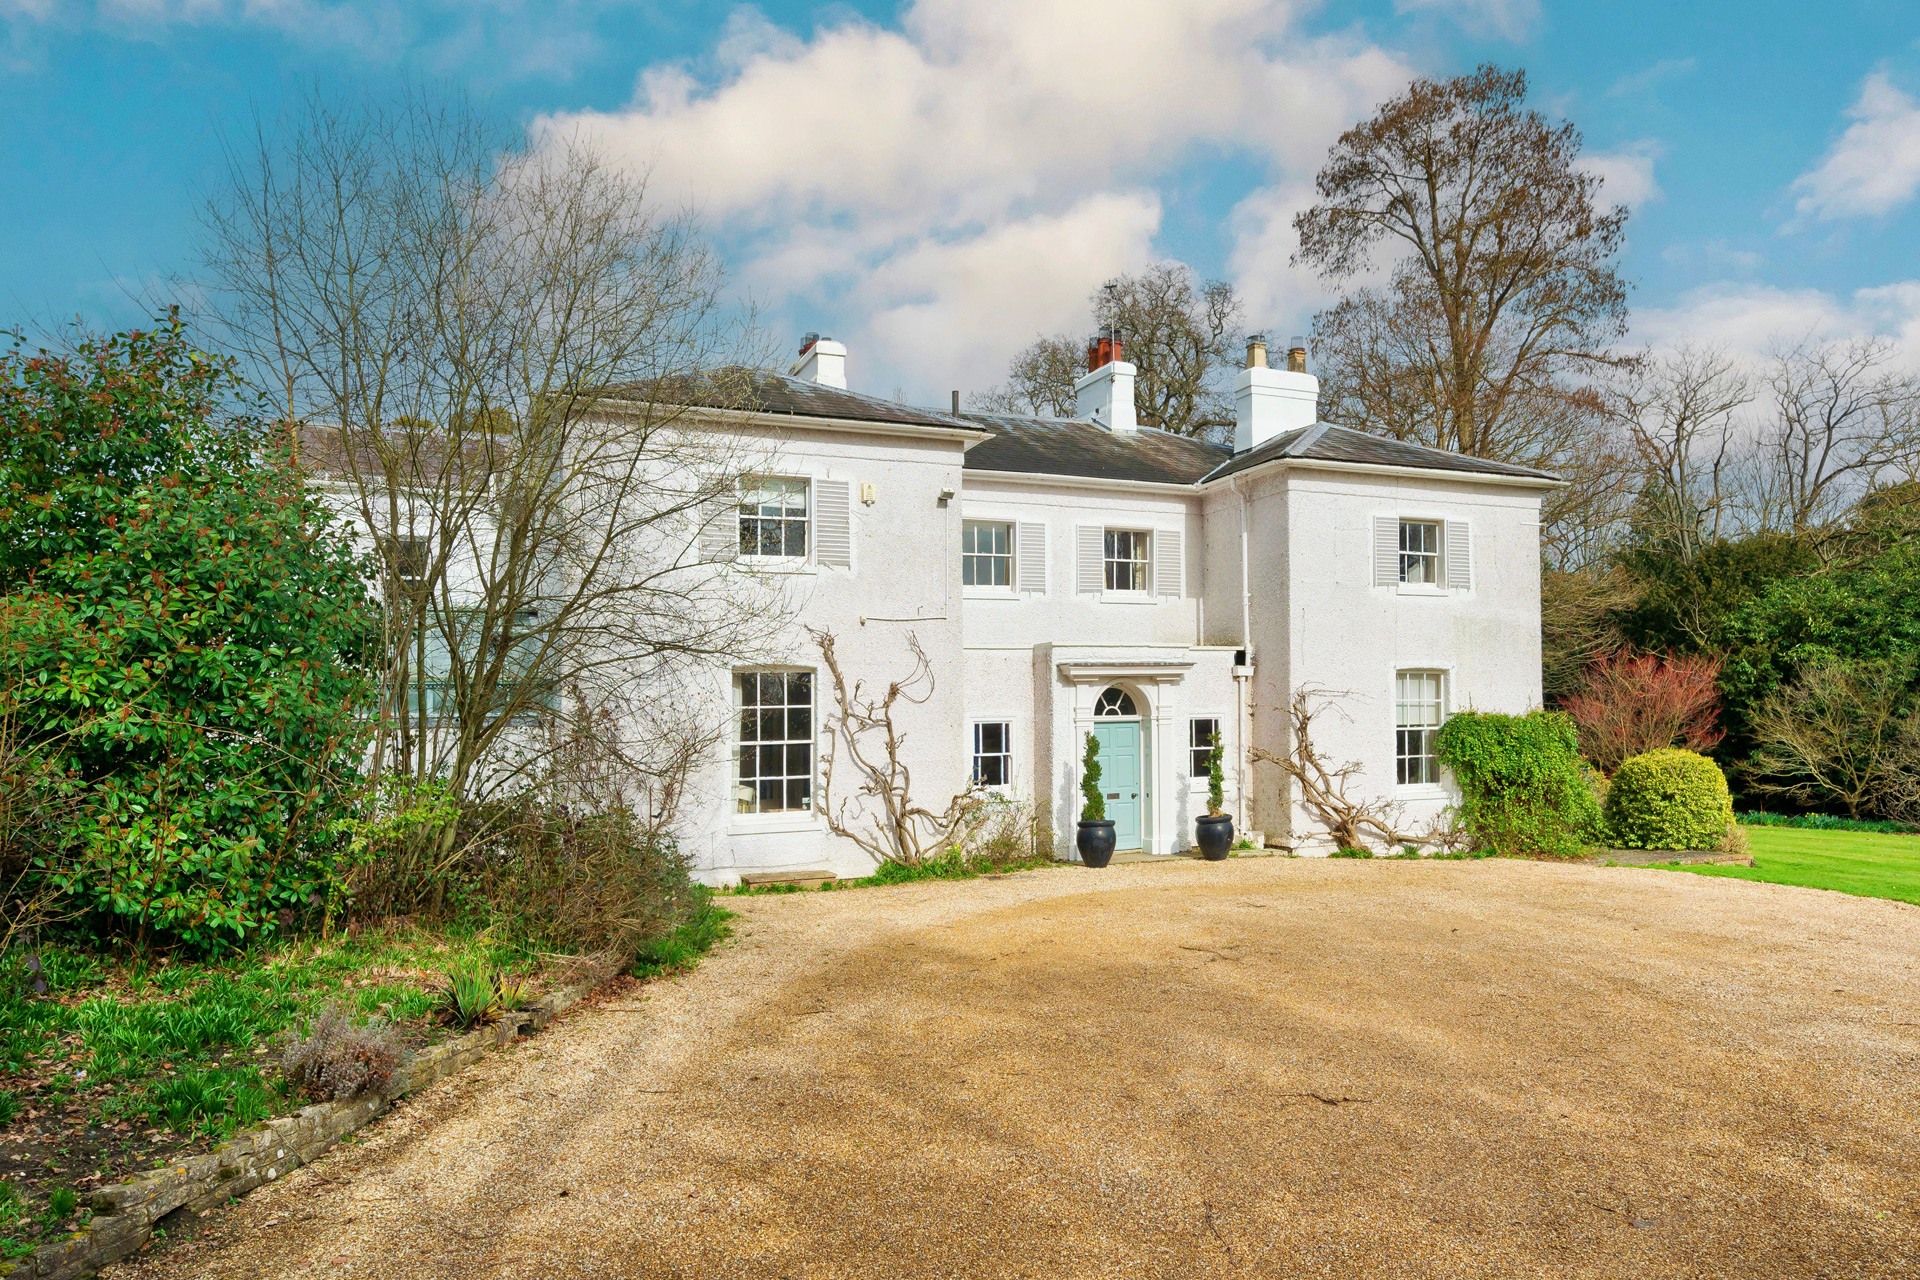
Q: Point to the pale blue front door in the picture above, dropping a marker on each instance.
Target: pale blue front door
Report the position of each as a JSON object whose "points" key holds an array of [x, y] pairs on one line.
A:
{"points": [[1120, 778]]}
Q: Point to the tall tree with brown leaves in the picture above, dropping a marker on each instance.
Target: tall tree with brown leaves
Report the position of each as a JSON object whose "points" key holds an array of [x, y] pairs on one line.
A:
{"points": [[1503, 293]]}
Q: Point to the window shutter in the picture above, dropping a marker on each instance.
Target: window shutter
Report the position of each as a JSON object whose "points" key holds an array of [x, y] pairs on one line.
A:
{"points": [[1093, 545], [720, 535], [1169, 562], [1386, 551], [1032, 545], [833, 523], [1459, 555]]}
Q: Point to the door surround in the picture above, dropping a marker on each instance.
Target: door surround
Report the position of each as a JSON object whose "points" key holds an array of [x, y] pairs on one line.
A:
{"points": [[1148, 681]]}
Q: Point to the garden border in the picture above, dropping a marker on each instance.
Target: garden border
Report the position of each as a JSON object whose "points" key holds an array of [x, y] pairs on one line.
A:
{"points": [[126, 1213]]}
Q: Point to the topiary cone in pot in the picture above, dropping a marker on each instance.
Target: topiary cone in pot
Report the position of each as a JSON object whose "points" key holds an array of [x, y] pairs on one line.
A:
{"points": [[1095, 837], [1213, 832]]}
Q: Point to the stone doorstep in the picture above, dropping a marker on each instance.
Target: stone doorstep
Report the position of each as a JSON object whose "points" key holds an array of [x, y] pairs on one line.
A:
{"points": [[125, 1213], [805, 879]]}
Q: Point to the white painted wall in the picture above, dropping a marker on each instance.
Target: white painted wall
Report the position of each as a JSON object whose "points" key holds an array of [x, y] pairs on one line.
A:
{"points": [[904, 580], [1320, 620]]}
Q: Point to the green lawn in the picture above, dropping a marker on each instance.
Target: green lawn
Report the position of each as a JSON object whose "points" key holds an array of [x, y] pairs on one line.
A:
{"points": [[1872, 865]]}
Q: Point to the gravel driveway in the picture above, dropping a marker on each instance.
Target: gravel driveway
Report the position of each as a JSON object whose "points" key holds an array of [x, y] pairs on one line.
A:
{"points": [[1258, 1068]]}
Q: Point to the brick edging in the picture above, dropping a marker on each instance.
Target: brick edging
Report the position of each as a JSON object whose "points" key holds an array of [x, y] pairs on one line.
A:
{"points": [[125, 1212]]}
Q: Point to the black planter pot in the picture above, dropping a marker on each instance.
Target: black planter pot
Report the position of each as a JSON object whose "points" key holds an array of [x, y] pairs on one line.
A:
{"points": [[1214, 835], [1095, 842]]}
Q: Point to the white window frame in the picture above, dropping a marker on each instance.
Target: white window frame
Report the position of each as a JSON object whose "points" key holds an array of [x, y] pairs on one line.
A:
{"points": [[1012, 556], [737, 743], [1438, 585], [1444, 677], [974, 756], [1197, 778], [783, 559], [1143, 557]]}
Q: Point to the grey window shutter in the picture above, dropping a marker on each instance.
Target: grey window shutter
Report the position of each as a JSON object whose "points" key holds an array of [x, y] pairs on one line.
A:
{"points": [[1031, 540], [1459, 555], [1093, 547], [1169, 562], [1386, 551], [720, 535], [833, 523]]}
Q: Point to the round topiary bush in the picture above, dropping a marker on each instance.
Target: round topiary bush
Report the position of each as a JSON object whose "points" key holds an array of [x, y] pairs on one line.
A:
{"points": [[1669, 799]]}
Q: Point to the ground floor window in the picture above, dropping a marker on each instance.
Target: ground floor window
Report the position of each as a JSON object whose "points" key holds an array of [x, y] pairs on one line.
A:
{"points": [[1418, 710], [1200, 736], [773, 750], [992, 753]]}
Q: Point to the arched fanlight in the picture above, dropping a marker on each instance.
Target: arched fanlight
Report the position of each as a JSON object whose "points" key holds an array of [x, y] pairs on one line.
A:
{"points": [[1115, 702]]}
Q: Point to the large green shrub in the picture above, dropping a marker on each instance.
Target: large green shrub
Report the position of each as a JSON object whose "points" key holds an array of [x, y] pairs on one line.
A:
{"points": [[1521, 785], [184, 633], [1669, 799]]}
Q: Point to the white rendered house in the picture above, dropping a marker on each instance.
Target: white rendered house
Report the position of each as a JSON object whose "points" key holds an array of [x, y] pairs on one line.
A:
{"points": [[1091, 575]]}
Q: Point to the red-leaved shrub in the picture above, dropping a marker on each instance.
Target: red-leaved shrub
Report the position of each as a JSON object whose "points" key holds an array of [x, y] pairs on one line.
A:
{"points": [[1629, 705]]}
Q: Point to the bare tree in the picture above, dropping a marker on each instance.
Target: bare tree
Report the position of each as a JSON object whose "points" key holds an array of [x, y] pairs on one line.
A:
{"points": [[1180, 333], [1503, 292], [494, 356], [1840, 735], [1845, 417], [1679, 411], [881, 816], [1039, 381]]}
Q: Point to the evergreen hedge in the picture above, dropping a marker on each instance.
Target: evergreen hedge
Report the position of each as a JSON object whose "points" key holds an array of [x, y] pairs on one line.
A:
{"points": [[1523, 789], [1669, 799]]}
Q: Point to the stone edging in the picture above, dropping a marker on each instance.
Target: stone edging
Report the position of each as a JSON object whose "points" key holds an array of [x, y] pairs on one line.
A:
{"points": [[126, 1212]]}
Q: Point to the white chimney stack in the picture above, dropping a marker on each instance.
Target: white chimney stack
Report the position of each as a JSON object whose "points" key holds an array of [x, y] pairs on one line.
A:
{"points": [[1269, 402], [822, 360], [1105, 392]]}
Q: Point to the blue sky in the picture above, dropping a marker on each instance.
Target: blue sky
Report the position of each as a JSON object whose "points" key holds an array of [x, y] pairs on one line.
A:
{"points": [[938, 181]]}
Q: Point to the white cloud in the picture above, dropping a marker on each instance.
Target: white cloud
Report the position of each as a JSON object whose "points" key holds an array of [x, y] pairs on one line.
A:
{"points": [[1626, 173], [1751, 319], [1643, 80], [1511, 19], [1873, 168], [984, 164]]}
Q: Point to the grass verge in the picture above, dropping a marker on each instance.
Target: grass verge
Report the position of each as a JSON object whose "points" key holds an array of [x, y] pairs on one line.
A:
{"points": [[124, 1063], [1866, 863], [706, 928], [948, 866]]}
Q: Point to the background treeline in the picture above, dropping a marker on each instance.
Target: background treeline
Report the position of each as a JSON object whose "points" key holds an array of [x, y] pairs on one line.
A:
{"points": [[1730, 564]]}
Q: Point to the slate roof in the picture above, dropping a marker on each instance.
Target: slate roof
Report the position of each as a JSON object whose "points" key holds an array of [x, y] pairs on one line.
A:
{"points": [[1327, 443], [761, 391], [1077, 447]]}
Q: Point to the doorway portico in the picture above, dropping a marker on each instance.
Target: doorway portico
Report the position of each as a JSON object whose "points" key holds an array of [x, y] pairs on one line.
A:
{"points": [[1128, 707]]}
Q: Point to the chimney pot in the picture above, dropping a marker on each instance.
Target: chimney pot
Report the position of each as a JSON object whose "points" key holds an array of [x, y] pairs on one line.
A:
{"points": [[1256, 351], [956, 404], [1297, 355]]}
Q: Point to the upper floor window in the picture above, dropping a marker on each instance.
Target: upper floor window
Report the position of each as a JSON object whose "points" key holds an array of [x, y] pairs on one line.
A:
{"points": [[1127, 558], [1418, 709], [986, 554], [992, 753], [773, 517], [1420, 552], [1201, 734], [773, 744]]}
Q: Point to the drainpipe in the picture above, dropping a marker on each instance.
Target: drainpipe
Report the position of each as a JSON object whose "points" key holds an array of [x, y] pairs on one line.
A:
{"points": [[1242, 710]]}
